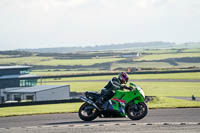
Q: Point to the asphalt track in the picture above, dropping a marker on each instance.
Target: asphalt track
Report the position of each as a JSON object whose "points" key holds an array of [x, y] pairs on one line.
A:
{"points": [[183, 120]]}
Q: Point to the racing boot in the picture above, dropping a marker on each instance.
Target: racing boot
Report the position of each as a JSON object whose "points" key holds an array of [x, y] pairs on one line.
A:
{"points": [[100, 103]]}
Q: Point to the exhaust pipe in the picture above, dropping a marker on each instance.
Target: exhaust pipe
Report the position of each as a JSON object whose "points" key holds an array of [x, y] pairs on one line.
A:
{"points": [[89, 102]]}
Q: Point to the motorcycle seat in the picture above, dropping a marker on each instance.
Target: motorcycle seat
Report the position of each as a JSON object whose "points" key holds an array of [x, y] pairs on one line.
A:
{"points": [[93, 95]]}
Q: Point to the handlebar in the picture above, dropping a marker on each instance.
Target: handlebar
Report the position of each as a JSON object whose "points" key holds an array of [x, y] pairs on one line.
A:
{"points": [[129, 88]]}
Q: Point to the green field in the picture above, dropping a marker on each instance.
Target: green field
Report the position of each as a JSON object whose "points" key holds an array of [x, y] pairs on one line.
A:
{"points": [[154, 55], [155, 65], [190, 76], [170, 89], [50, 61], [166, 56], [151, 64], [32, 60], [165, 102], [4, 56], [152, 59], [150, 88], [84, 62], [160, 51], [176, 50], [64, 72], [186, 65], [39, 109], [197, 50]]}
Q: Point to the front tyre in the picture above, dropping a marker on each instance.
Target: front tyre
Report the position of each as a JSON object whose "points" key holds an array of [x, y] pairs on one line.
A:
{"points": [[87, 112], [137, 111]]}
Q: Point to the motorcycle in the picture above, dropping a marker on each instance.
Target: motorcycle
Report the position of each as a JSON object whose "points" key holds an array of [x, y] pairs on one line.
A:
{"points": [[124, 103]]}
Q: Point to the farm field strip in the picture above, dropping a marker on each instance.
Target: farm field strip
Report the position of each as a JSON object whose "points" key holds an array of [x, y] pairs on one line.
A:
{"points": [[188, 76], [50, 61], [83, 62], [150, 88], [31, 60], [166, 56]]}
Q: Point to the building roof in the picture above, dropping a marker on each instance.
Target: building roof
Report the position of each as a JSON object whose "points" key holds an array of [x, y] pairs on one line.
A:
{"points": [[25, 76], [32, 89], [13, 67]]}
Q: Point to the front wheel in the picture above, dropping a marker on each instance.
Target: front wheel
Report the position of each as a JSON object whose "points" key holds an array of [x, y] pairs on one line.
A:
{"points": [[137, 111], [87, 112]]}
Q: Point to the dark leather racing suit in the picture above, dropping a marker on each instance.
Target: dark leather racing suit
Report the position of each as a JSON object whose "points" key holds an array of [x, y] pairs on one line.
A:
{"points": [[108, 91]]}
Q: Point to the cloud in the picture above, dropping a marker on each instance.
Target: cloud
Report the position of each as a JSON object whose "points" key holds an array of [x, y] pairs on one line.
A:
{"points": [[41, 3], [97, 21]]}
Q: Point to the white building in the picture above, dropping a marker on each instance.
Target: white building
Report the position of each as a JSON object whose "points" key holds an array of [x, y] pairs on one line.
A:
{"points": [[38, 93]]}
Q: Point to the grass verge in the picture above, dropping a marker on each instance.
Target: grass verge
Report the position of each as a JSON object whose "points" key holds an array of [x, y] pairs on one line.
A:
{"points": [[166, 102], [39, 109]]}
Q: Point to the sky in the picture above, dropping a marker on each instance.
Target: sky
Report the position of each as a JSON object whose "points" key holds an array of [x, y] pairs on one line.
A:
{"points": [[66, 23]]}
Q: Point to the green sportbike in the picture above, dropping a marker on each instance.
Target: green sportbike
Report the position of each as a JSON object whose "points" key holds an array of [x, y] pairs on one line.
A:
{"points": [[124, 103]]}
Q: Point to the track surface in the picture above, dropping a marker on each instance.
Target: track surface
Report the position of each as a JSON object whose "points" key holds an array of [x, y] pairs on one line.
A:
{"points": [[158, 120]]}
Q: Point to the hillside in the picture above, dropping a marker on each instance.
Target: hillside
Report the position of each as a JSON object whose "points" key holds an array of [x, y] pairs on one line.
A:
{"points": [[141, 45]]}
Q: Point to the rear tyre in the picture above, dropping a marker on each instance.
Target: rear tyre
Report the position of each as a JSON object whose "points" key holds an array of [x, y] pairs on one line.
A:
{"points": [[87, 112], [137, 111]]}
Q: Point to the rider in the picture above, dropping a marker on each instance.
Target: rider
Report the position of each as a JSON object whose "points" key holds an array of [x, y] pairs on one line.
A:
{"points": [[115, 84]]}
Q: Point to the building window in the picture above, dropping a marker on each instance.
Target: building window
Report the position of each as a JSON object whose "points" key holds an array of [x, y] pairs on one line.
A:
{"points": [[8, 97], [26, 71], [2, 99], [28, 83], [22, 83], [29, 97], [17, 98]]}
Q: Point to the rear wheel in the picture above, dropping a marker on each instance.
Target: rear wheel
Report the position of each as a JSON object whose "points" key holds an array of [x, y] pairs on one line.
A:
{"points": [[137, 111], [87, 112]]}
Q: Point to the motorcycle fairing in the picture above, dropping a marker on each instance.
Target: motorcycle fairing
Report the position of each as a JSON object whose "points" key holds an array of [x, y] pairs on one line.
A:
{"points": [[121, 98]]}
